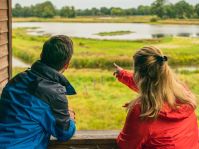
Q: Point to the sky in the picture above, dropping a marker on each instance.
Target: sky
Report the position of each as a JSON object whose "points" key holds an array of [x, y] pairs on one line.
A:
{"points": [[82, 4]]}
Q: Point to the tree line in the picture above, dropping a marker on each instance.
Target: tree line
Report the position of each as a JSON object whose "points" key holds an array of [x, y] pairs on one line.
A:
{"points": [[161, 8]]}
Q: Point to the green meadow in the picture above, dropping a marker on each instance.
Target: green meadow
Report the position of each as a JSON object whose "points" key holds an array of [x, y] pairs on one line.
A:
{"points": [[99, 99], [114, 33]]}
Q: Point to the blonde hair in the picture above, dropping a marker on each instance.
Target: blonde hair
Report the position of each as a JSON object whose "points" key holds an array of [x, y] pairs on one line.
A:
{"points": [[157, 83]]}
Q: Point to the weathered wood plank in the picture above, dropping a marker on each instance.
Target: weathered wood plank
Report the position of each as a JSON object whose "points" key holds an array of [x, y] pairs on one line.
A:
{"points": [[88, 140], [3, 26], [3, 14], [3, 38], [3, 4], [3, 62], [2, 85], [3, 74], [3, 50]]}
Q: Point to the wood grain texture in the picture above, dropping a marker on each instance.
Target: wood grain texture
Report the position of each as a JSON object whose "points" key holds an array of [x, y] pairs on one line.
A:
{"points": [[3, 38], [2, 84], [4, 27], [3, 74], [3, 50], [3, 62], [5, 42], [3, 14], [88, 140], [3, 4]]}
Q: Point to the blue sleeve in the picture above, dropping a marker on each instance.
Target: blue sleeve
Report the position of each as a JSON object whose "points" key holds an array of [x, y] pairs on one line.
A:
{"points": [[65, 135], [57, 121]]}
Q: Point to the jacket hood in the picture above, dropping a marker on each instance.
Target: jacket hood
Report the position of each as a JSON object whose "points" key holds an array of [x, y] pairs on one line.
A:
{"points": [[181, 112], [49, 73]]}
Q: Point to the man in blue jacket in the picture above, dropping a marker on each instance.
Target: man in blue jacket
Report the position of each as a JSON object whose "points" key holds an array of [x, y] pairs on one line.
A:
{"points": [[33, 104]]}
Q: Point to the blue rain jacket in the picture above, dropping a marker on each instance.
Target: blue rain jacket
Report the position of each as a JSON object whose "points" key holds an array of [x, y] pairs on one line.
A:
{"points": [[33, 106]]}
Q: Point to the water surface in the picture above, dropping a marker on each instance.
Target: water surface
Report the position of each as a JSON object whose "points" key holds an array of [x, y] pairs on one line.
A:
{"points": [[90, 30]]}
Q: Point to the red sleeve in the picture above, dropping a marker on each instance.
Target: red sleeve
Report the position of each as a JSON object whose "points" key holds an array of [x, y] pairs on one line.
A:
{"points": [[127, 78], [135, 132]]}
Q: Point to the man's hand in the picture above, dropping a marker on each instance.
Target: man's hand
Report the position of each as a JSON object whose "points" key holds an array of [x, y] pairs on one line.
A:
{"points": [[72, 114], [118, 69]]}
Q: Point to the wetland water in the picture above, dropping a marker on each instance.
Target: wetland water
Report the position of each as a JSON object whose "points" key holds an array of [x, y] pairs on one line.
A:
{"points": [[90, 30]]}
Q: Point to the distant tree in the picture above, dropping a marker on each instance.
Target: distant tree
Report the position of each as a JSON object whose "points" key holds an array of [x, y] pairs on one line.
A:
{"points": [[161, 8], [130, 11], [105, 11], [197, 10], [157, 8], [44, 10], [144, 10], [170, 11], [79, 12], [68, 12], [85, 12], [17, 10], [95, 12], [27, 12], [184, 9], [117, 12]]}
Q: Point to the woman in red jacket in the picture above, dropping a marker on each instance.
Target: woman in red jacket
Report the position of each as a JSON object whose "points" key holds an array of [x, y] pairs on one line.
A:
{"points": [[162, 117]]}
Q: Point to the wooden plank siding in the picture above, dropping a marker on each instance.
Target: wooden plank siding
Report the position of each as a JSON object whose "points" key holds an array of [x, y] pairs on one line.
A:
{"points": [[5, 42], [4, 27], [4, 4]]}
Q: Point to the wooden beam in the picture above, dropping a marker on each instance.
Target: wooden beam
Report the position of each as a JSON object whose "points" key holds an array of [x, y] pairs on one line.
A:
{"points": [[9, 2], [89, 140]]}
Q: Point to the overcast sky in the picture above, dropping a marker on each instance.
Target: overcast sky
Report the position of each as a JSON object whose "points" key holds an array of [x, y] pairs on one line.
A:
{"points": [[95, 3]]}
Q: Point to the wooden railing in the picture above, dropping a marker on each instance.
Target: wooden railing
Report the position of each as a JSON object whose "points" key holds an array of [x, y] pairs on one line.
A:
{"points": [[88, 140]]}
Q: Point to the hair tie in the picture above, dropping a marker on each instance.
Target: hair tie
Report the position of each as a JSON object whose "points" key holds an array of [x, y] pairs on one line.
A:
{"points": [[165, 58], [162, 58]]}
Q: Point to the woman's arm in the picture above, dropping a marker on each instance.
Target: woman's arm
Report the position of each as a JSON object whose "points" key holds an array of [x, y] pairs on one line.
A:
{"points": [[126, 78], [135, 132]]}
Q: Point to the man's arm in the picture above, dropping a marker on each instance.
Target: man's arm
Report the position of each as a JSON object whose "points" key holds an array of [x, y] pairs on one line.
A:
{"points": [[55, 117], [63, 125]]}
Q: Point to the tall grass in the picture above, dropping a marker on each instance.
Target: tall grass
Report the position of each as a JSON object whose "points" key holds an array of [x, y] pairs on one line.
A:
{"points": [[99, 99]]}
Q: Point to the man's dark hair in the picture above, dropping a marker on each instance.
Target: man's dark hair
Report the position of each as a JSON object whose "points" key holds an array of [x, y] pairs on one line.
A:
{"points": [[57, 51]]}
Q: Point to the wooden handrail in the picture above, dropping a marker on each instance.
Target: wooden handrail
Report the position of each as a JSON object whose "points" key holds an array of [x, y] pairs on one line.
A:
{"points": [[88, 140]]}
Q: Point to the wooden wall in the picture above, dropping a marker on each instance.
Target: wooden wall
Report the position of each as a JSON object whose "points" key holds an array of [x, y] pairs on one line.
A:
{"points": [[5, 42]]}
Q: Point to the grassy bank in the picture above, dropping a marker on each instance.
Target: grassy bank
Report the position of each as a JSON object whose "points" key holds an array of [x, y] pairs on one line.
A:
{"points": [[124, 19], [90, 53], [100, 97], [114, 33]]}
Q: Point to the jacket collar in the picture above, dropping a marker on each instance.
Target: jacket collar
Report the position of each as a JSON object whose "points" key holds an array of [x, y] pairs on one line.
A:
{"points": [[49, 73]]}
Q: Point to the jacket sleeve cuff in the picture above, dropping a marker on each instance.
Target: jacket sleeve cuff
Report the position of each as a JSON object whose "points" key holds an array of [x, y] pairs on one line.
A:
{"points": [[68, 134]]}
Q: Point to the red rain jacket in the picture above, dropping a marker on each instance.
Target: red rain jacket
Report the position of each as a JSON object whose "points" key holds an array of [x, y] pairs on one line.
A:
{"points": [[174, 129]]}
